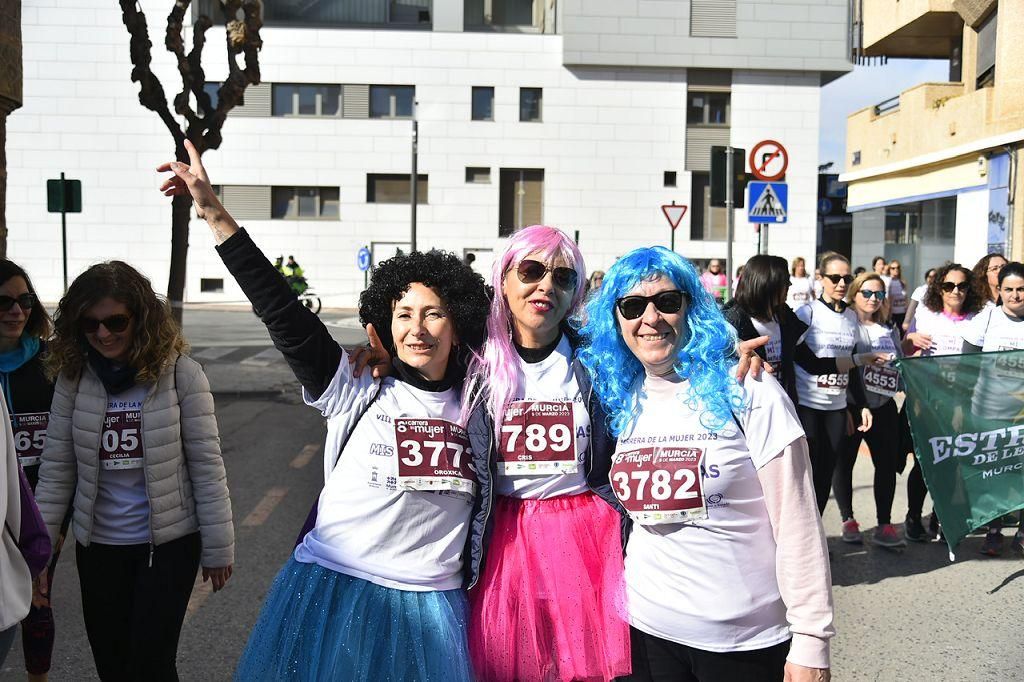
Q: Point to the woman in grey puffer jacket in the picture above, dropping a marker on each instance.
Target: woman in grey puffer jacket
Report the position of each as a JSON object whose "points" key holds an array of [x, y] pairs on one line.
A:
{"points": [[133, 439]]}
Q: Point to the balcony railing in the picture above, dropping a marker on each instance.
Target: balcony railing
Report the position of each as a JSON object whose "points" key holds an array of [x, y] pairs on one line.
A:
{"points": [[324, 13], [889, 105]]}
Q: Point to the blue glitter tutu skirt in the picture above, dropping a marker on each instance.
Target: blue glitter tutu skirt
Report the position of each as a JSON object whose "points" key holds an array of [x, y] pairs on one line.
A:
{"points": [[318, 624]]}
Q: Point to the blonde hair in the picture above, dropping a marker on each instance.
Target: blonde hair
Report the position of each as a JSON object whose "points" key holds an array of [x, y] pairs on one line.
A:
{"points": [[880, 315]]}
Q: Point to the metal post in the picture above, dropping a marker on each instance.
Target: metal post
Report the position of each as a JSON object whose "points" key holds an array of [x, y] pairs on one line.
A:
{"points": [[64, 227], [414, 178], [576, 238], [730, 219]]}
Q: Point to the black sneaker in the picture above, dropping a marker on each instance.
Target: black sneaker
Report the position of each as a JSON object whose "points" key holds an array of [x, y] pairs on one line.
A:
{"points": [[914, 530], [934, 527]]}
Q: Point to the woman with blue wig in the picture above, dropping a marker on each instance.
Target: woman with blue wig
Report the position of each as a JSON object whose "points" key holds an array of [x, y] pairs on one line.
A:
{"points": [[726, 566]]}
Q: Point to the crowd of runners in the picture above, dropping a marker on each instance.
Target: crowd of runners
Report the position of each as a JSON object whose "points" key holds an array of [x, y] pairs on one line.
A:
{"points": [[533, 477]]}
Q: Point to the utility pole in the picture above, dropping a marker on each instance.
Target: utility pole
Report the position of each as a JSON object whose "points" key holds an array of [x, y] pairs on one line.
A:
{"points": [[730, 219], [414, 178]]}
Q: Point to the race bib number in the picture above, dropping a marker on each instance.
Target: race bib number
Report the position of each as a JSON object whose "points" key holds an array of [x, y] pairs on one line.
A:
{"points": [[29, 436], [833, 384], [1011, 364], [538, 437], [801, 296], [882, 380], [121, 440], [659, 485], [773, 350], [434, 454], [899, 302]]}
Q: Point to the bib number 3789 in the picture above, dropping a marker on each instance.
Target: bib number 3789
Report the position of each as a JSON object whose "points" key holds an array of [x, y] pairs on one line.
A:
{"points": [[434, 454], [538, 437], [658, 485]]}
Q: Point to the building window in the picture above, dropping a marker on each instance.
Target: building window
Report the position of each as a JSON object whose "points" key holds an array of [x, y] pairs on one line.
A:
{"points": [[707, 108], [305, 99], [518, 15], [530, 104], [707, 222], [304, 203], [393, 188], [409, 14], [391, 101], [856, 158], [483, 104], [670, 179], [986, 66], [478, 175], [520, 199], [211, 285]]}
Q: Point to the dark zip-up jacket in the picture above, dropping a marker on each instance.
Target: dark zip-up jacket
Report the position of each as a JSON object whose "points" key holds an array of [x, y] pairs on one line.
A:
{"points": [[485, 455], [30, 391]]}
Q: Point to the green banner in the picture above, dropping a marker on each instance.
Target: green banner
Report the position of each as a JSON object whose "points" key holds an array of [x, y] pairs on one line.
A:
{"points": [[967, 418]]}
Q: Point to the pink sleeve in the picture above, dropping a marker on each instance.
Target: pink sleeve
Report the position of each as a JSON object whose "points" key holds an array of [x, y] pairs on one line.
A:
{"points": [[801, 560]]}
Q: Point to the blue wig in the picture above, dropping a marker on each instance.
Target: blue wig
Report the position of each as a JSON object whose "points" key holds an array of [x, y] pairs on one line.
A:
{"points": [[707, 357]]}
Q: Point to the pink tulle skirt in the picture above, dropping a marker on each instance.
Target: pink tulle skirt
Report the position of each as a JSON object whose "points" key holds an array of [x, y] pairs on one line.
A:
{"points": [[550, 605]]}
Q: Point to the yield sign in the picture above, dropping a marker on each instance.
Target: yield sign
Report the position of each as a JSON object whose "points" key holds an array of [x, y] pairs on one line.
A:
{"points": [[674, 214], [768, 160]]}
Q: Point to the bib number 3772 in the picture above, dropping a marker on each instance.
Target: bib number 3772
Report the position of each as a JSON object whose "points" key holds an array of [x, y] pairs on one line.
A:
{"points": [[434, 454], [658, 485], [538, 437]]}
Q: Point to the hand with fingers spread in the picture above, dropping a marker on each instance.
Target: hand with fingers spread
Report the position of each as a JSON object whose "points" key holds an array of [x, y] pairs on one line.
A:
{"points": [[373, 354], [750, 363], [192, 180]]}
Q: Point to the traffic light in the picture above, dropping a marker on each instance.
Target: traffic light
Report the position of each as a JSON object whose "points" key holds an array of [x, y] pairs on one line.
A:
{"points": [[718, 179]]}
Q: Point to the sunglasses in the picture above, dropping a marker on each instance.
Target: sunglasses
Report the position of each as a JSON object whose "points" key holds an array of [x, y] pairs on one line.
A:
{"points": [[632, 307], [880, 295], [836, 279], [113, 324], [961, 287], [26, 301], [532, 271]]}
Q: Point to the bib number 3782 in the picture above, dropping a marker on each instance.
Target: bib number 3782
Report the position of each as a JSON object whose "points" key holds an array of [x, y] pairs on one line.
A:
{"points": [[658, 485], [538, 437], [434, 454]]}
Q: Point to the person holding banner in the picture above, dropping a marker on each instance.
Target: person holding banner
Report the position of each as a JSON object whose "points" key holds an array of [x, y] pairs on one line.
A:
{"points": [[726, 565], [952, 300], [999, 328], [374, 589], [866, 297]]}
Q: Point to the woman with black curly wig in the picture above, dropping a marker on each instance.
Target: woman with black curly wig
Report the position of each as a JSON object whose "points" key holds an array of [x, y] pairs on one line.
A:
{"points": [[374, 589]]}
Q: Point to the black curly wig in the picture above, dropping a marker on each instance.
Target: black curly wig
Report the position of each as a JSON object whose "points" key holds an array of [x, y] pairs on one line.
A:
{"points": [[462, 290]]}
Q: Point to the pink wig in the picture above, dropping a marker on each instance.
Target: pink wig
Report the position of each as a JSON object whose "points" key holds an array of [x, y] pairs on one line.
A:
{"points": [[495, 367]]}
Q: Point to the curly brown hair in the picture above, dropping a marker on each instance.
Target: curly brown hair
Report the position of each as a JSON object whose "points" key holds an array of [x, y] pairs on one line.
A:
{"points": [[157, 338], [38, 324], [973, 301], [980, 271]]}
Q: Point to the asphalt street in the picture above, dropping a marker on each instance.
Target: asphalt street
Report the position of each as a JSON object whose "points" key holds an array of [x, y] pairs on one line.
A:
{"points": [[900, 616]]}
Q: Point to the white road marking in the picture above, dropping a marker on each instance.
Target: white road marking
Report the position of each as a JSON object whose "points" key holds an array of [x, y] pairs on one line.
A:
{"points": [[264, 358], [214, 353]]}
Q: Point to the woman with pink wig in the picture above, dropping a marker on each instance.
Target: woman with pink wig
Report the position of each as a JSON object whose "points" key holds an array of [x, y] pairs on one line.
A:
{"points": [[548, 603]]}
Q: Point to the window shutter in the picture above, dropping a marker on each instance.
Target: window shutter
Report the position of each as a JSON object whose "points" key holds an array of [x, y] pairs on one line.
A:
{"points": [[257, 102], [987, 44], [355, 101], [699, 141], [247, 202], [713, 18]]}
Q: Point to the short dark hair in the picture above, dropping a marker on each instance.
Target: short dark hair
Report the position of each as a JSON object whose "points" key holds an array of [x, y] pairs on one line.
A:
{"points": [[1011, 269], [973, 301], [38, 324], [462, 290], [765, 282], [875, 260]]}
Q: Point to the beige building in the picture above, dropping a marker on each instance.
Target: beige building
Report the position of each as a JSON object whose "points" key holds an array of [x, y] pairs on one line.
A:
{"points": [[933, 172]]}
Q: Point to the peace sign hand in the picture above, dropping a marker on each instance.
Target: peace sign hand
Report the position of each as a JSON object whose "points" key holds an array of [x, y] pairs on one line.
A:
{"points": [[191, 179]]}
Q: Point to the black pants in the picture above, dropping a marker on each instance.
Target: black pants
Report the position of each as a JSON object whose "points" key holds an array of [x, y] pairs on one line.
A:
{"points": [[916, 491], [826, 436], [883, 438], [133, 612], [659, 660]]}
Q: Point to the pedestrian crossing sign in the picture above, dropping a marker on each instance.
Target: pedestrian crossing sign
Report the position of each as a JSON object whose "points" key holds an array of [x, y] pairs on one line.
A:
{"points": [[769, 202]]}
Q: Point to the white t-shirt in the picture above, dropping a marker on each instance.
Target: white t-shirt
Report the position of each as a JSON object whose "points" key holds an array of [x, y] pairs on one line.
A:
{"points": [[881, 382], [997, 392], [710, 582], [829, 335], [992, 329], [919, 293], [946, 332], [121, 510], [547, 426], [897, 296], [772, 349], [801, 292], [368, 525]]}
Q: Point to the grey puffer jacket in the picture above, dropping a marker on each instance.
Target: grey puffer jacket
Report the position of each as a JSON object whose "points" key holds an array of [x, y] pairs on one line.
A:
{"points": [[185, 480]]}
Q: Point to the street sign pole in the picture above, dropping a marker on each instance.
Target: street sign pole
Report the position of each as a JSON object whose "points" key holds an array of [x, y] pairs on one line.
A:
{"points": [[414, 178], [674, 215], [730, 219], [64, 228]]}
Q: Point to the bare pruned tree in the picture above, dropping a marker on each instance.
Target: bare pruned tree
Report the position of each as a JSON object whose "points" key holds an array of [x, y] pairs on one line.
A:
{"points": [[204, 123]]}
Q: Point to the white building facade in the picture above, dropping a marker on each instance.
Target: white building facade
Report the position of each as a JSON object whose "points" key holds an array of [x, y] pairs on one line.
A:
{"points": [[584, 114]]}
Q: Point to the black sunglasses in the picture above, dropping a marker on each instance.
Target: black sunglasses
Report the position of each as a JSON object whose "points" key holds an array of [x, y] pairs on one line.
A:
{"points": [[836, 279], [26, 301], [880, 295], [114, 324], [532, 271], [960, 286], [632, 307]]}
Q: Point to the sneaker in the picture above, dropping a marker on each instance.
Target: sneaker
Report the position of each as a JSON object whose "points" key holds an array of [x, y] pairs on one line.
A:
{"points": [[851, 532], [934, 527], [993, 545], [887, 536], [1017, 544], [914, 530]]}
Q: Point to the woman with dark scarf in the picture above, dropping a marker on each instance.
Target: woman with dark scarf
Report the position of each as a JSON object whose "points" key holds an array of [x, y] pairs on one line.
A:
{"points": [[132, 447]]}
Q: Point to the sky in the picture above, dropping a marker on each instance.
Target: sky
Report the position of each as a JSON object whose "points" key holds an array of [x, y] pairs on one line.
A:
{"points": [[864, 86]]}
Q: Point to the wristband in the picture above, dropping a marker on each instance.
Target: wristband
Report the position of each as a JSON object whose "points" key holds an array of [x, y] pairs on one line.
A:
{"points": [[856, 360]]}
